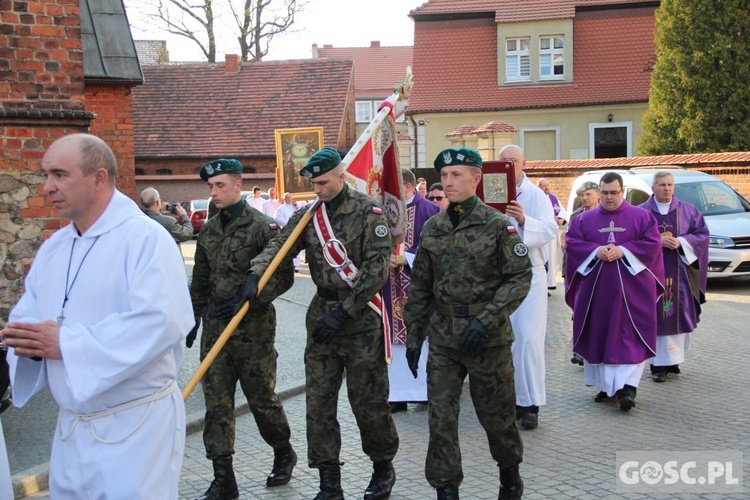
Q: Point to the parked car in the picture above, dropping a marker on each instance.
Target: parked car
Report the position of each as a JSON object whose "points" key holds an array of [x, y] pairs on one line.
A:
{"points": [[727, 213], [197, 211]]}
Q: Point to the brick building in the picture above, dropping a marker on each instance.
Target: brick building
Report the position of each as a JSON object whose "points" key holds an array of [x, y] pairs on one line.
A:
{"points": [[66, 66]]}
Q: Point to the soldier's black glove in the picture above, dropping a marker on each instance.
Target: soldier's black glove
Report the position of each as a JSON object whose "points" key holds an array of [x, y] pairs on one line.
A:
{"points": [[249, 293], [412, 359], [474, 337], [329, 325], [193, 333], [225, 310]]}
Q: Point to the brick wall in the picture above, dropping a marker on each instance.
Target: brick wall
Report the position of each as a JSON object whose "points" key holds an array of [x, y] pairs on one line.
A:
{"points": [[113, 107], [176, 189], [191, 166]]}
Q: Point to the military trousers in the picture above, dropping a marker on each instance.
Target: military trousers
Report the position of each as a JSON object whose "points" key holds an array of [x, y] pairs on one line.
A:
{"points": [[361, 355], [249, 358], [493, 395]]}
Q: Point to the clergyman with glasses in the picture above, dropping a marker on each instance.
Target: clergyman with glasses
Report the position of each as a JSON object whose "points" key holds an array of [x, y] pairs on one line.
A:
{"points": [[614, 277]]}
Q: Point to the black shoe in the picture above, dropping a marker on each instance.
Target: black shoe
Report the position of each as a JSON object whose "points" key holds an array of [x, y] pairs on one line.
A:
{"points": [[383, 479], [626, 401], [519, 412], [673, 369], [511, 484], [224, 485], [449, 492], [602, 396], [530, 420], [284, 461], [330, 484], [576, 360], [659, 376], [397, 407]]}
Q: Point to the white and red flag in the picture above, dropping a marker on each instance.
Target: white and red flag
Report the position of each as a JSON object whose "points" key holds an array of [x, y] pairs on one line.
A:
{"points": [[375, 170]]}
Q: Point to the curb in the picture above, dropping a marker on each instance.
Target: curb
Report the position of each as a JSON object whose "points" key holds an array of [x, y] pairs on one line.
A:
{"points": [[36, 479]]}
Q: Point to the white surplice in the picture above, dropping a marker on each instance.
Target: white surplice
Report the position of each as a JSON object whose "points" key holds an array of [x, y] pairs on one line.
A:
{"points": [[529, 321], [121, 426]]}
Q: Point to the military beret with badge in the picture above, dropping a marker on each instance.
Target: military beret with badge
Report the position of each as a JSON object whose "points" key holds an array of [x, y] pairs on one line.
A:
{"points": [[458, 156], [586, 186], [219, 167], [322, 161]]}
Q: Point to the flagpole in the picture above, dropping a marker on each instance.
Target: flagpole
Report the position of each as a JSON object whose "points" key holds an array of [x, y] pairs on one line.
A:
{"points": [[400, 93]]}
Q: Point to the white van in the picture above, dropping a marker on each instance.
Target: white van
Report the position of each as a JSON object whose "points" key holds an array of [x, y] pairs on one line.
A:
{"points": [[727, 213]]}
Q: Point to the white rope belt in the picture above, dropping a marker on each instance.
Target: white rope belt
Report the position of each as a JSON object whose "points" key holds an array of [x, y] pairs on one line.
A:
{"points": [[88, 417]]}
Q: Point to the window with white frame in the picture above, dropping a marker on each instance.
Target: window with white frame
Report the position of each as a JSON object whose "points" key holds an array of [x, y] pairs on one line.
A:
{"points": [[364, 111], [551, 57], [517, 59]]}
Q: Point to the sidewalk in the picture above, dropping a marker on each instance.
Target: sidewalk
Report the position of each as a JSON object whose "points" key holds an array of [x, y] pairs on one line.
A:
{"points": [[570, 455]]}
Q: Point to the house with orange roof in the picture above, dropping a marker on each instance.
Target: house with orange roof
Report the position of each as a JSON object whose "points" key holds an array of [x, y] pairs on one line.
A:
{"points": [[188, 114], [377, 71], [565, 79]]}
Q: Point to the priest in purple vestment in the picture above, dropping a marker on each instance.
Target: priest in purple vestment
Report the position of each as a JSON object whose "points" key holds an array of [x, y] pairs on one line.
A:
{"points": [[684, 241], [615, 274], [403, 386]]}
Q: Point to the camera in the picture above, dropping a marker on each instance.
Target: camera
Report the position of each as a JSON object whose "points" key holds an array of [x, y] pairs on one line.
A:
{"points": [[172, 208]]}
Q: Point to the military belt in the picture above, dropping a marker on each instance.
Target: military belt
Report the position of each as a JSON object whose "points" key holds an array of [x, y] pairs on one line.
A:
{"points": [[460, 310], [333, 295]]}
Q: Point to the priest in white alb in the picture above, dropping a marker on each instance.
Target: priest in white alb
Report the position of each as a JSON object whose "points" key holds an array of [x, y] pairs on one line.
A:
{"points": [[102, 321]]}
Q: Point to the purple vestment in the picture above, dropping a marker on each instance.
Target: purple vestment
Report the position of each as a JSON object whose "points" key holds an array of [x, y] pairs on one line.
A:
{"points": [[684, 284], [614, 311], [396, 289], [555, 203]]}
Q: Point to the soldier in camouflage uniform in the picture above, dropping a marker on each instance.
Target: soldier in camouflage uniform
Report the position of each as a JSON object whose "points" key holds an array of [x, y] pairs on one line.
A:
{"points": [[470, 273], [223, 253], [343, 332]]}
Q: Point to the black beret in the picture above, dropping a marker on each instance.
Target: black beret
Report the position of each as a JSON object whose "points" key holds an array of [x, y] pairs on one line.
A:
{"points": [[322, 161], [459, 156], [220, 166]]}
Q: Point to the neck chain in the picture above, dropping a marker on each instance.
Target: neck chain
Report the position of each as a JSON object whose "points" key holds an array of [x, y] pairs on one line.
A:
{"points": [[67, 277]]}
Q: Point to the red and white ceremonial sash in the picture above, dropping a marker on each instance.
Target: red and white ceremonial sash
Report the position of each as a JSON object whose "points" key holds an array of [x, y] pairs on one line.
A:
{"points": [[335, 254]]}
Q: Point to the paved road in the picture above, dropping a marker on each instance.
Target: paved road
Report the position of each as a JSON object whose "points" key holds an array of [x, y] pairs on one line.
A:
{"points": [[571, 454]]}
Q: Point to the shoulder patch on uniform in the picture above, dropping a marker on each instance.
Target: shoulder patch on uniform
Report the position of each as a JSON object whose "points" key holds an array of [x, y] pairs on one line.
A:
{"points": [[381, 230], [273, 225], [520, 249], [511, 228], [377, 210]]}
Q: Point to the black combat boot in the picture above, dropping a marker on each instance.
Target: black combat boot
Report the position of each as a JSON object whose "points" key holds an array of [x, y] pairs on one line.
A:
{"points": [[511, 484], [224, 485], [330, 484], [383, 478], [449, 492], [284, 460]]}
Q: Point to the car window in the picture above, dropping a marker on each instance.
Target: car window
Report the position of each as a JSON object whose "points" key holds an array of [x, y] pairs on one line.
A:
{"points": [[200, 204], [637, 197], [712, 198]]}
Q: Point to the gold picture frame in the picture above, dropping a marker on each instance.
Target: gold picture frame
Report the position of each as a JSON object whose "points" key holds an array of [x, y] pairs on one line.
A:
{"points": [[294, 146]]}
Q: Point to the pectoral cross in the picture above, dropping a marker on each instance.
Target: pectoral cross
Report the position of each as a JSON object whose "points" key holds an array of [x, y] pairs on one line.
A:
{"points": [[663, 226], [612, 230]]}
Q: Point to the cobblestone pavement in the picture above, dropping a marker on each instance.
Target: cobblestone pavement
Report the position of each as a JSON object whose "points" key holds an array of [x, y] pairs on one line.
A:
{"points": [[572, 454]]}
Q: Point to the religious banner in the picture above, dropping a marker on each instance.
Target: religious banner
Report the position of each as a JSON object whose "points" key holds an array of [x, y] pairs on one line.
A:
{"points": [[294, 146], [375, 171]]}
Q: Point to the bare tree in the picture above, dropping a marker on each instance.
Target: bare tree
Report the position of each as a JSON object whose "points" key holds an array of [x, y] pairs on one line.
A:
{"points": [[261, 20], [256, 22]]}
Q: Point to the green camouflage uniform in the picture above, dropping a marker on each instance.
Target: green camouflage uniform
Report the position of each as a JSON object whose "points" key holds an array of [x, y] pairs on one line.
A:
{"points": [[359, 223], [222, 257], [481, 264]]}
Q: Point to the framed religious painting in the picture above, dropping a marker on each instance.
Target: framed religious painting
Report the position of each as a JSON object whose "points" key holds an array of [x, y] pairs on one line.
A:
{"points": [[497, 187], [294, 146]]}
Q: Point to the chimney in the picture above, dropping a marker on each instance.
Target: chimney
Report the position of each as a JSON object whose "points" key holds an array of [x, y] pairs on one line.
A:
{"points": [[375, 44], [232, 63]]}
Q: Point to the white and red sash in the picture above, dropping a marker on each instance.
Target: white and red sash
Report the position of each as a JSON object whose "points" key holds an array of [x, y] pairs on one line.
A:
{"points": [[335, 254]]}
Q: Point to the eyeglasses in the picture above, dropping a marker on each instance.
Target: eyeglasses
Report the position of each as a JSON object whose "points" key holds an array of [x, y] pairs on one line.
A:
{"points": [[435, 198], [611, 193]]}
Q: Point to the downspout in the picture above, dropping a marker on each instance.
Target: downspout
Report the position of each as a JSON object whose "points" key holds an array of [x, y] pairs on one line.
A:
{"points": [[416, 144]]}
